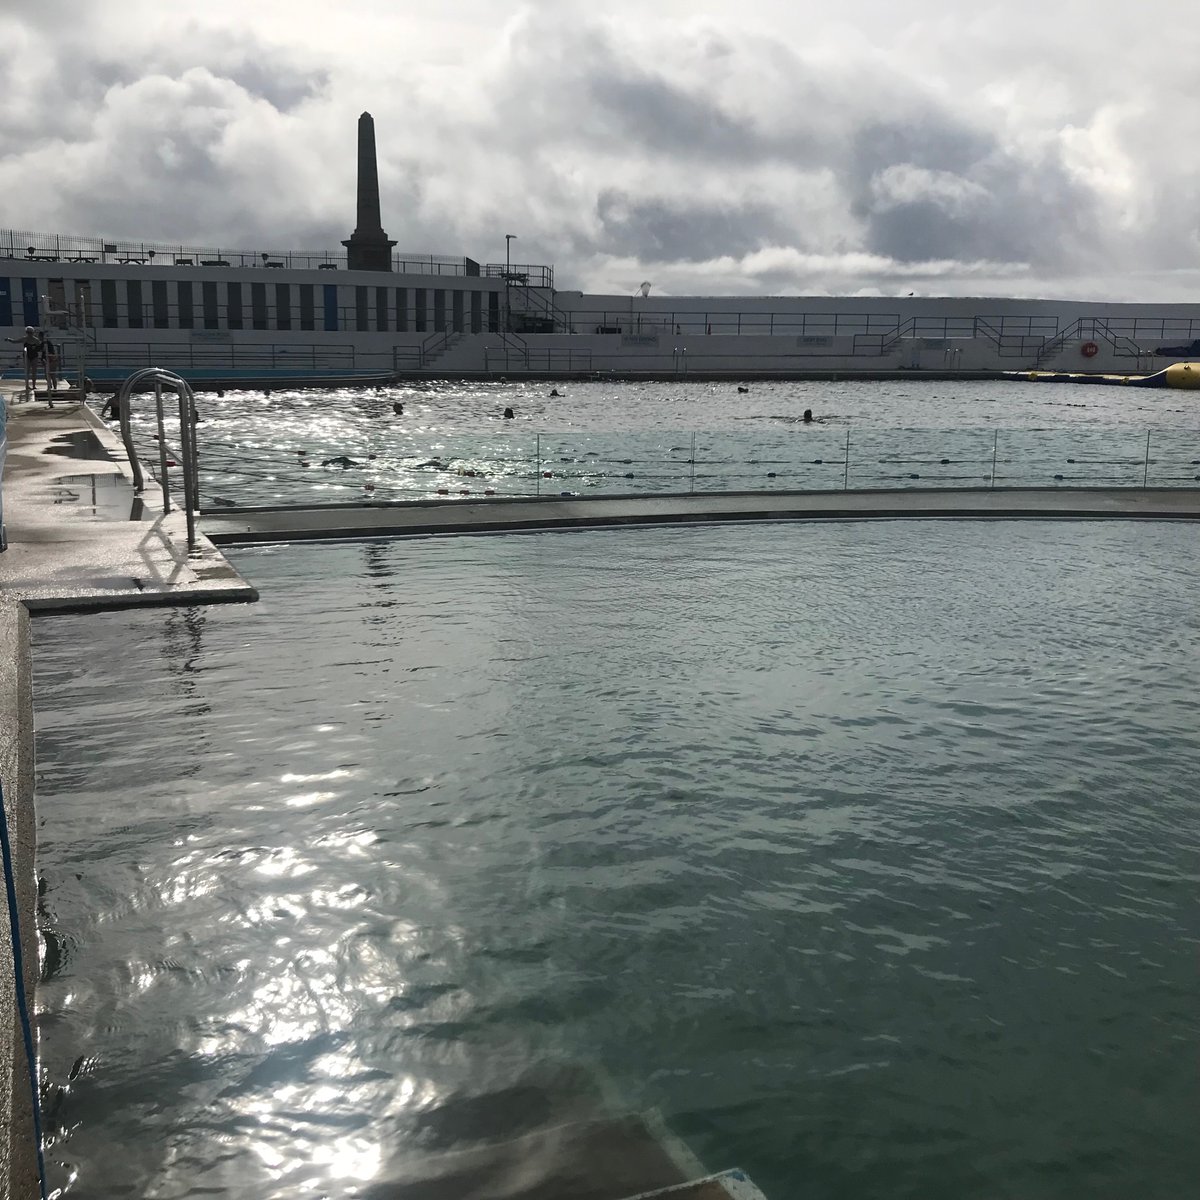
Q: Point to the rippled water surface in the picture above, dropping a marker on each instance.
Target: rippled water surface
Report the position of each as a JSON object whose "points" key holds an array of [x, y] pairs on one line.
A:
{"points": [[867, 853], [605, 437]]}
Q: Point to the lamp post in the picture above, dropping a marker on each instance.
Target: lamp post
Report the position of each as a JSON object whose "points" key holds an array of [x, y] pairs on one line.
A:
{"points": [[508, 241]]}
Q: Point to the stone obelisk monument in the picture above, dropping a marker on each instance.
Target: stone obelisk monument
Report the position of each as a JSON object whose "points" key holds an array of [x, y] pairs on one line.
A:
{"points": [[368, 248]]}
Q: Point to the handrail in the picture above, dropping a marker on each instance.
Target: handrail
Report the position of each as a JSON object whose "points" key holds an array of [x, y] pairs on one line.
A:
{"points": [[187, 440], [436, 344], [543, 306]]}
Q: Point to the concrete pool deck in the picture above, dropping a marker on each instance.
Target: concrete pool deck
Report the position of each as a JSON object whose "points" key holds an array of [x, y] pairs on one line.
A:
{"points": [[78, 535], [81, 540]]}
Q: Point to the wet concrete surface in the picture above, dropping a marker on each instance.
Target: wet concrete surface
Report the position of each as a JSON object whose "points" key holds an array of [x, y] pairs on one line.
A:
{"points": [[80, 444], [82, 539]]}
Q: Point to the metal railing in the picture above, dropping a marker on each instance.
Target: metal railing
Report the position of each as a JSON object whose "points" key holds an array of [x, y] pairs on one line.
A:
{"points": [[521, 274], [215, 355], [1020, 335], [187, 441], [72, 248]]}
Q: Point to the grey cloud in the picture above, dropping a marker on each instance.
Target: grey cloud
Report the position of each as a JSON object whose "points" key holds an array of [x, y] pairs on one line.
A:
{"points": [[668, 119], [600, 141], [657, 231], [927, 138], [1013, 210]]}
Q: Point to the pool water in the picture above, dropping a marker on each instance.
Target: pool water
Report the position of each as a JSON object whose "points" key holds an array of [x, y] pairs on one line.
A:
{"points": [[603, 438], [866, 853]]}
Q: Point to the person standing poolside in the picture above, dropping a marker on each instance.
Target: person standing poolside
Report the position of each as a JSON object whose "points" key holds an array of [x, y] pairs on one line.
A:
{"points": [[31, 349], [50, 359]]}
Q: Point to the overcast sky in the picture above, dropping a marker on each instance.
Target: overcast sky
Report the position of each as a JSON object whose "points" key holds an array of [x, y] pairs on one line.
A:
{"points": [[1009, 147]]}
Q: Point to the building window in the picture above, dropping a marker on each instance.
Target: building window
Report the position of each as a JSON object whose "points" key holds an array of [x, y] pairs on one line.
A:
{"points": [[493, 312], [258, 306], [29, 302], [381, 313], [361, 322], [307, 313], [233, 305], [458, 310], [186, 316], [402, 310], [439, 310], [208, 298], [133, 303], [158, 300], [331, 307], [419, 315], [283, 306], [476, 312]]}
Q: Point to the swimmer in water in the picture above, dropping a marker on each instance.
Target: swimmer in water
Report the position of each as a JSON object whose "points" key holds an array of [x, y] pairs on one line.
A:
{"points": [[340, 461], [808, 417], [508, 414], [398, 408], [554, 393]]}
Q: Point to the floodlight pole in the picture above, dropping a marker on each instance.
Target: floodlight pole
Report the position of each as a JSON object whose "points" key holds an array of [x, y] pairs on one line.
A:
{"points": [[508, 241]]}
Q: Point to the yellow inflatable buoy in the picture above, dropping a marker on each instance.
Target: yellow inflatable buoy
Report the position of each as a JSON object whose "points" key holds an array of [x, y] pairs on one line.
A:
{"points": [[1183, 375]]}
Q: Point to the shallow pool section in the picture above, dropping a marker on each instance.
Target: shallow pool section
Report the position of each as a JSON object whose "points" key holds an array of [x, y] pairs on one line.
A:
{"points": [[867, 854]]}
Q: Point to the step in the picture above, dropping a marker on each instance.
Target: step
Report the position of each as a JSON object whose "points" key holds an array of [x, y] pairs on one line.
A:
{"points": [[605, 1159]]}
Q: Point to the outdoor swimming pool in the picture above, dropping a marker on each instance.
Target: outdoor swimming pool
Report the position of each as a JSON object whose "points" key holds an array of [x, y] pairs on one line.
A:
{"points": [[344, 445], [865, 852]]}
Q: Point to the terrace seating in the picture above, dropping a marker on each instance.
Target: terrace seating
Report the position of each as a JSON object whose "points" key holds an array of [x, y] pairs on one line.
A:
{"points": [[326, 266], [213, 262], [184, 262]]}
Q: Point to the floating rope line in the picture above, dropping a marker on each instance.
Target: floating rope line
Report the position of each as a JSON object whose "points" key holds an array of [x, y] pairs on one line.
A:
{"points": [[14, 924]]}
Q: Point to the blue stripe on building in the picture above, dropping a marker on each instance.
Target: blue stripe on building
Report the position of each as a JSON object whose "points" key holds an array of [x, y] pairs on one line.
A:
{"points": [[29, 301]]}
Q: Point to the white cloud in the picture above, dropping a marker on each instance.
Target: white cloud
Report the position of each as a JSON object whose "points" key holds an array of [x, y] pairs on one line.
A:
{"points": [[903, 183]]}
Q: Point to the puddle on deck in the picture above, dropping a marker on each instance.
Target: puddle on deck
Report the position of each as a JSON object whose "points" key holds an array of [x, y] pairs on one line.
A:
{"points": [[109, 497]]}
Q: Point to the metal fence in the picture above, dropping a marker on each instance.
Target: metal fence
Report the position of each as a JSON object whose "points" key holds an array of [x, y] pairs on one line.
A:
{"points": [[69, 248]]}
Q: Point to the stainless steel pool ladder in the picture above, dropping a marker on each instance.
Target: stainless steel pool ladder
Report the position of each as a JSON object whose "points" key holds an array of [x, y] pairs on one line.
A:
{"points": [[187, 440]]}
